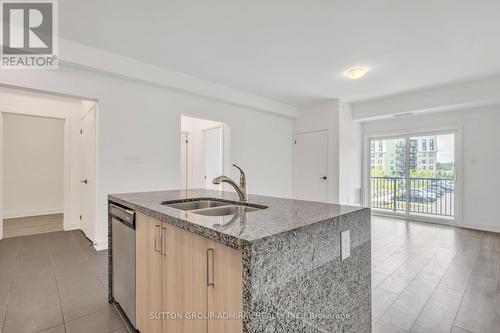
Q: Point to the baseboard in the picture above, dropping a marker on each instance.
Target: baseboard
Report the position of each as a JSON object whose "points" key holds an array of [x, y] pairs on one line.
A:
{"points": [[76, 226], [101, 245], [32, 213], [482, 227]]}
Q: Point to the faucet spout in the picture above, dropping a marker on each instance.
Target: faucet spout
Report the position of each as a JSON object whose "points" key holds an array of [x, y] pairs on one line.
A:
{"points": [[241, 189]]}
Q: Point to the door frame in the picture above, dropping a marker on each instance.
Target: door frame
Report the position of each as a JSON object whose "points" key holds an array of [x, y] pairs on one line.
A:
{"points": [[187, 159], [67, 161], [366, 188]]}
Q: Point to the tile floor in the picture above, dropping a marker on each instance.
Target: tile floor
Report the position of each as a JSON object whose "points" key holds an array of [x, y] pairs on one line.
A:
{"points": [[425, 278], [54, 282]]}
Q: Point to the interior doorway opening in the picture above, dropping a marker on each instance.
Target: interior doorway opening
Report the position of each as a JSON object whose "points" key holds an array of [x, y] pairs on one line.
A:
{"points": [[204, 149], [41, 159], [33, 168]]}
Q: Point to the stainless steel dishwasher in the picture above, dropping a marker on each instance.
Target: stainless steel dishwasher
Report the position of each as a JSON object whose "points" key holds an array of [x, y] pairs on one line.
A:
{"points": [[123, 251]]}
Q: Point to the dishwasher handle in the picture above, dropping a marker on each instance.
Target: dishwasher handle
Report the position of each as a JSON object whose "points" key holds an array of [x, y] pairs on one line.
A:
{"points": [[124, 215]]}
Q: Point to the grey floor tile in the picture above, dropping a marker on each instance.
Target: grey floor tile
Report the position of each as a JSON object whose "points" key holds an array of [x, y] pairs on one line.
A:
{"points": [[80, 307], [99, 260], [89, 288], [104, 321], [77, 275], [61, 266], [28, 284], [498, 305], [35, 304], [3, 308], [121, 330], [85, 298], [36, 321], [57, 329], [30, 266]]}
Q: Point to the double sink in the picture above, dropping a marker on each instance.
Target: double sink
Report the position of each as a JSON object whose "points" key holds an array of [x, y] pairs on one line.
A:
{"points": [[213, 207]]}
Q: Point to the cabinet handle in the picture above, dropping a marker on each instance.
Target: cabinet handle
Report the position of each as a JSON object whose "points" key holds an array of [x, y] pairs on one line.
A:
{"points": [[210, 277], [157, 234], [163, 242]]}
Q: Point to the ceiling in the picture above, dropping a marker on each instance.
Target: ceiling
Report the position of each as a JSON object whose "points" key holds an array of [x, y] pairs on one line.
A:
{"points": [[295, 51]]}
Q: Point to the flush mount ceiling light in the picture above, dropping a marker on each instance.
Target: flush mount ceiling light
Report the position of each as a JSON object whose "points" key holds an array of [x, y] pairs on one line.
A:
{"points": [[356, 72]]}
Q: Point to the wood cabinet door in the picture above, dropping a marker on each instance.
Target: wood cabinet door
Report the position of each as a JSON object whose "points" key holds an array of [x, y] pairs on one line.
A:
{"points": [[184, 281], [148, 274], [225, 294]]}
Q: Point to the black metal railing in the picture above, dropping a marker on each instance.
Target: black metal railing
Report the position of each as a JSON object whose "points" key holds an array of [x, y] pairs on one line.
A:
{"points": [[434, 196]]}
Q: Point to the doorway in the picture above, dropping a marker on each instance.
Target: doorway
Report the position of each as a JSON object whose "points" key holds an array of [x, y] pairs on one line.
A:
{"points": [[414, 175], [33, 168], [70, 114], [204, 152], [310, 171]]}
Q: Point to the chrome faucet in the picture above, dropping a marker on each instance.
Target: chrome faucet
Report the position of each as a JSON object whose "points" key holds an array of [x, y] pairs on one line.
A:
{"points": [[240, 189]]}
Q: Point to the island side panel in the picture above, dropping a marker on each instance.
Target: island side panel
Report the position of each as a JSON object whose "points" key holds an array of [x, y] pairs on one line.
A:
{"points": [[111, 299], [297, 282]]}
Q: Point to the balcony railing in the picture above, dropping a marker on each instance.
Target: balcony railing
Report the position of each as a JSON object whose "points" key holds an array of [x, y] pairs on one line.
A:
{"points": [[432, 196]]}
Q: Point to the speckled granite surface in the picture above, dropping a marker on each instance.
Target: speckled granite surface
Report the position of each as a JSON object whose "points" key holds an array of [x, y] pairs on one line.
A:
{"points": [[282, 215], [293, 278]]}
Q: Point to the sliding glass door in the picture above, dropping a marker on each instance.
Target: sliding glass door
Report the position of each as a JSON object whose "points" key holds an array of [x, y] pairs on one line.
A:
{"points": [[413, 175]]}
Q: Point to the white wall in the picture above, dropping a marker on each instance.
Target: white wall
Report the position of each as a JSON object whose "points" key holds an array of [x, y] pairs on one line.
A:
{"points": [[350, 157], [344, 151], [144, 122], [33, 165], [480, 157]]}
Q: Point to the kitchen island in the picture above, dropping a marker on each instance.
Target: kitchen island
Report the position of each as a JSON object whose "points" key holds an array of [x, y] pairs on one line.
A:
{"points": [[278, 267]]}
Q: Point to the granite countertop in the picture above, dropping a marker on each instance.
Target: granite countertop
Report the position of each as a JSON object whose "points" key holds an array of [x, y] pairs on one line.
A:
{"points": [[282, 215]]}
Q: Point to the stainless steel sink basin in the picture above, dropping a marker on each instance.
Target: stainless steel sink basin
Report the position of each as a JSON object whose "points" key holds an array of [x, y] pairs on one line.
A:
{"points": [[226, 210], [213, 207], [198, 204]]}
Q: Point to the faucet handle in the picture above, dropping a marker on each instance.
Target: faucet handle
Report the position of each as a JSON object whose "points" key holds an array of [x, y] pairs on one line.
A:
{"points": [[243, 178]]}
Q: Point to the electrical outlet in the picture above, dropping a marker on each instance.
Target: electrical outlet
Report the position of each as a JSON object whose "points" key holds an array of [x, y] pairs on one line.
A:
{"points": [[345, 244]]}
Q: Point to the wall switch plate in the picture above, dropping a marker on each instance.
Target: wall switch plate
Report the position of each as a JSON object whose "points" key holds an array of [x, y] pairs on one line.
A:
{"points": [[345, 244], [131, 158]]}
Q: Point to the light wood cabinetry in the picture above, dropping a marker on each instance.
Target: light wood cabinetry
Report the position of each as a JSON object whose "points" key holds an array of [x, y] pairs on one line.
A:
{"points": [[225, 288], [184, 280], [183, 276], [148, 274]]}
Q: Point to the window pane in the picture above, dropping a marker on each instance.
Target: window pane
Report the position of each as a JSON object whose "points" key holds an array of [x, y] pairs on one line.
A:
{"points": [[432, 186], [388, 174]]}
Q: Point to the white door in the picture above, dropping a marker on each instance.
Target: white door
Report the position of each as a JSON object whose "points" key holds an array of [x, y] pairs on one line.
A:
{"points": [[184, 160], [311, 166], [213, 156], [88, 173]]}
